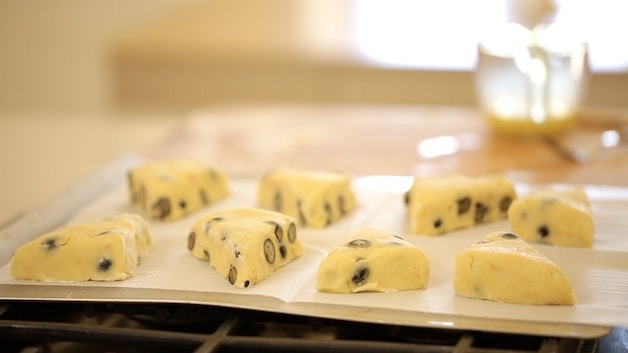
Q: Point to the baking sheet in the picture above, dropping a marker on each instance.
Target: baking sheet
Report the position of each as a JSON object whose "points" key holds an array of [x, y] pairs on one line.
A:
{"points": [[171, 274]]}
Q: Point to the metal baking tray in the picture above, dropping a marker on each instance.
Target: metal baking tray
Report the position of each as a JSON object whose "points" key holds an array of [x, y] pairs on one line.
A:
{"points": [[169, 274]]}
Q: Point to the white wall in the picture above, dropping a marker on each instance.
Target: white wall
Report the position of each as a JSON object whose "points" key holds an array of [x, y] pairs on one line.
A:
{"points": [[54, 54]]}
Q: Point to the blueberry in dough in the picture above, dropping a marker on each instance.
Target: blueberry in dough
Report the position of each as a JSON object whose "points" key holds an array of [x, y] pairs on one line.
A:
{"points": [[342, 205], [360, 275], [480, 212], [464, 204], [283, 251], [202, 195], [508, 235], [233, 275], [161, 208], [359, 243], [277, 201], [49, 243], [269, 251], [191, 240], [543, 231], [505, 203], [302, 218], [328, 212], [104, 264], [292, 232], [278, 230]]}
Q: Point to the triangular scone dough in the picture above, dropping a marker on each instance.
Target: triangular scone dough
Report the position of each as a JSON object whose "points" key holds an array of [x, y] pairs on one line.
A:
{"points": [[315, 199], [245, 245], [504, 268], [170, 190], [561, 218], [101, 250], [373, 260]]}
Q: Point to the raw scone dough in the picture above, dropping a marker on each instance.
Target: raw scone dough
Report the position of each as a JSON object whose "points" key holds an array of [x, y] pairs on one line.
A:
{"points": [[556, 217], [103, 250], [437, 205], [169, 190], [314, 198], [245, 245], [373, 260], [504, 268]]}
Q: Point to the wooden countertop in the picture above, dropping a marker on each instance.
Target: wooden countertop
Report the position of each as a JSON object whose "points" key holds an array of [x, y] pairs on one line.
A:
{"points": [[400, 140], [249, 140]]}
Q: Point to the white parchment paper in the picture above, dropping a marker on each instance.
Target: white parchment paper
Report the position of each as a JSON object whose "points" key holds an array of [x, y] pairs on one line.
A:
{"points": [[599, 275]]}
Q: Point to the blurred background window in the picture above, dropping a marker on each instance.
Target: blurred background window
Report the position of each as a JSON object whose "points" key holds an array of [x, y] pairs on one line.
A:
{"points": [[441, 35]]}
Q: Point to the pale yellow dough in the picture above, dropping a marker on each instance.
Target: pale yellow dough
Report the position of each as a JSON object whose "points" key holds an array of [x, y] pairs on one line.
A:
{"points": [[169, 190], [440, 204], [245, 245], [314, 198], [373, 260], [103, 250], [556, 217], [504, 268]]}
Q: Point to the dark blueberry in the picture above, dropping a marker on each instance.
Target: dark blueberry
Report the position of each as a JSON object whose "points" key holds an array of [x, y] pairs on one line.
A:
{"points": [[278, 230], [329, 213], [247, 283], [129, 177], [183, 204], [269, 251], [161, 208], [481, 210], [283, 251], [543, 231], [203, 196], [438, 223], [277, 201], [504, 204], [210, 222], [191, 240], [508, 235], [49, 243], [359, 243], [301, 213], [464, 204], [292, 232], [360, 275], [141, 195], [104, 264], [342, 207], [233, 275]]}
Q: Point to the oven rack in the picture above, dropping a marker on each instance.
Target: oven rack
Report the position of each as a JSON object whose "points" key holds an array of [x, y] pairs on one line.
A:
{"points": [[32, 326]]}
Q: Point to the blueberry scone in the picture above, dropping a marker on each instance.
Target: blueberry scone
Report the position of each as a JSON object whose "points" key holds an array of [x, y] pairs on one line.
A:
{"points": [[245, 245], [437, 205], [373, 260], [314, 198], [103, 250], [505, 268], [556, 217], [169, 190]]}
